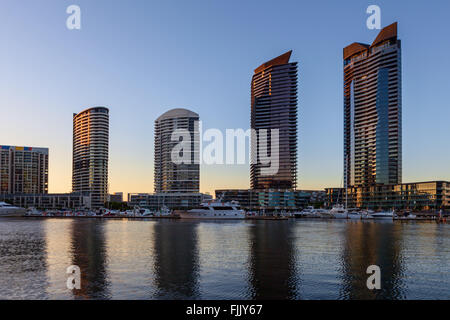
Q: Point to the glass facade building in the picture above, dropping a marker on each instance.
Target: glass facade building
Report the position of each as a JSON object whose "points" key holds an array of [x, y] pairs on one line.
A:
{"points": [[172, 177], [373, 111], [271, 200], [431, 195], [170, 200], [56, 201], [91, 154], [274, 106]]}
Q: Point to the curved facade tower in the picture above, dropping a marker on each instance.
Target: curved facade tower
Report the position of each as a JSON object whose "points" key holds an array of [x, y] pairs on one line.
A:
{"points": [[373, 111], [90, 154], [274, 106], [169, 176]]}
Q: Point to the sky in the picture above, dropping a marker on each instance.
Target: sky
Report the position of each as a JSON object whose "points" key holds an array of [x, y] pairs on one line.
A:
{"points": [[143, 58]]}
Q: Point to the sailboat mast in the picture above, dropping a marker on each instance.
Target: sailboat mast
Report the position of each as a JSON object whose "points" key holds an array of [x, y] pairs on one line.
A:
{"points": [[346, 187]]}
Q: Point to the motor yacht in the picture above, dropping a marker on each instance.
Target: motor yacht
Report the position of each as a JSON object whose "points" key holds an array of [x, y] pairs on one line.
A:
{"points": [[7, 210], [354, 213], [165, 211], [217, 210], [384, 215], [308, 212], [338, 212]]}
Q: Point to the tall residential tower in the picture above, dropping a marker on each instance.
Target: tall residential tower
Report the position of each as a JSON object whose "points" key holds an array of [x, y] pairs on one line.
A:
{"points": [[171, 177], [90, 154], [373, 111], [274, 106], [23, 170]]}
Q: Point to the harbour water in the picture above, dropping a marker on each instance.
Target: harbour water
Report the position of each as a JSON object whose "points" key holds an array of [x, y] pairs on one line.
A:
{"points": [[175, 259]]}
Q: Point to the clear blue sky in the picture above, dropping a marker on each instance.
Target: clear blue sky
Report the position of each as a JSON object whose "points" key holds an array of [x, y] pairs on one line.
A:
{"points": [[141, 58]]}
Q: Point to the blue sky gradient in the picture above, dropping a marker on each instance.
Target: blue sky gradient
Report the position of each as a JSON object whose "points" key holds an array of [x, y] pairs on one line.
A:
{"points": [[142, 58]]}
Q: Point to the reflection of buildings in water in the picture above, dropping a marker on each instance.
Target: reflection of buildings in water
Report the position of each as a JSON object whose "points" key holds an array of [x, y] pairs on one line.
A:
{"points": [[23, 263], [372, 243], [58, 237], [176, 260], [272, 262], [89, 253]]}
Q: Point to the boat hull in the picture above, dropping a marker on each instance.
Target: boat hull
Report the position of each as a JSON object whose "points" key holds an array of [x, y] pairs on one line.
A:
{"points": [[383, 216], [12, 212], [339, 216]]}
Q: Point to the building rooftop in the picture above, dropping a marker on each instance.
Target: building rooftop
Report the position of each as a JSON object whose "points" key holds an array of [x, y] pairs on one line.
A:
{"points": [[177, 113], [386, 33], [97, 107], [280, 60], [19, 148]]}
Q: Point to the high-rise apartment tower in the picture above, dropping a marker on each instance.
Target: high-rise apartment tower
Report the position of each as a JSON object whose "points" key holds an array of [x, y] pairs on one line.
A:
{"points": [[90, 154], [274, 106], [373, 111], [23, 170], [170, 176]]}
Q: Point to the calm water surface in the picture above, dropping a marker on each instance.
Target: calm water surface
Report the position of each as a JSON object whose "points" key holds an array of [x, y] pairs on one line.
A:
{"points": [[302, 259]]}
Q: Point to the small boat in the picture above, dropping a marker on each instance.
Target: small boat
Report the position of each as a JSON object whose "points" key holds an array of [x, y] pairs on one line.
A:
{"points": [[33, 212], [339, 211], [366, 214], [322, 213], [410, 216], [109, 214], [285, 214], [141, 212], [146, 213]]}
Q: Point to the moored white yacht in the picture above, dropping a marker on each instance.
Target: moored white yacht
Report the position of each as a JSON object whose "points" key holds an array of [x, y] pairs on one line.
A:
{"points": [[164, 211], [338, 212], [215, 210], [142, 212], [366, 214], [7, 210], [322, 212], [136, 212], [385, 215], [308, 212], [354, 213], [33, 212]]}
